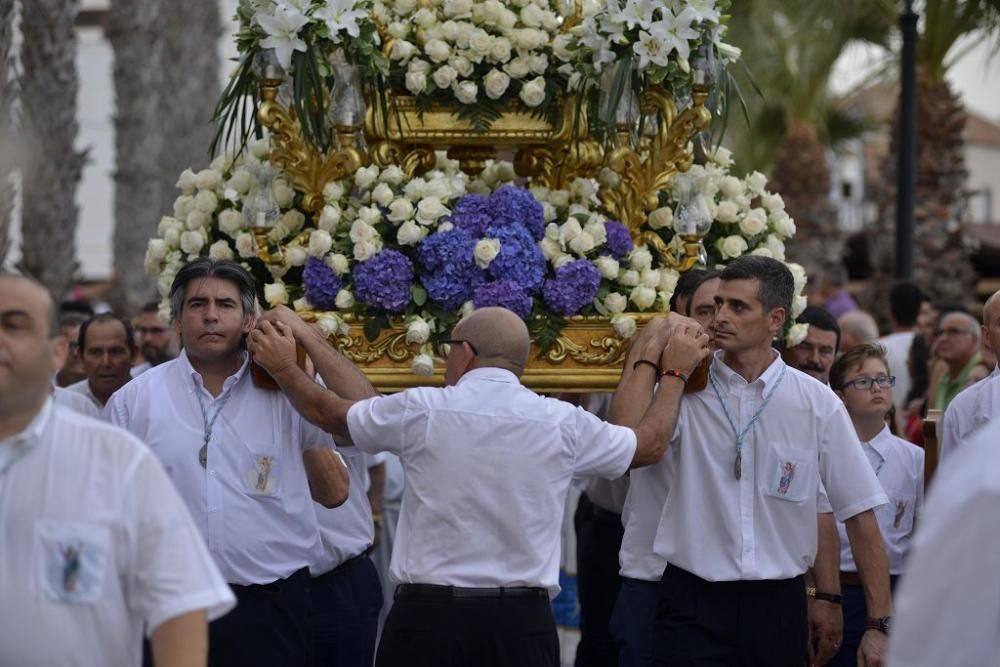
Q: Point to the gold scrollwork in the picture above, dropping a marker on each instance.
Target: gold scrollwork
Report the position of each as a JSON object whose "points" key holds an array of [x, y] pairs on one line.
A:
{"points": [[610, 351], [392, 346]]}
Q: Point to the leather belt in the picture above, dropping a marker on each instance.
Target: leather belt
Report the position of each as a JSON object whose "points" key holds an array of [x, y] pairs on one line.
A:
{"points": [[458, 592]]}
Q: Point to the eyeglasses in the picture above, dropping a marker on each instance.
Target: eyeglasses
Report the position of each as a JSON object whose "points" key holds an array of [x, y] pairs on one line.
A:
{"points": [[883, 381], [442, 348], [952, 332]]}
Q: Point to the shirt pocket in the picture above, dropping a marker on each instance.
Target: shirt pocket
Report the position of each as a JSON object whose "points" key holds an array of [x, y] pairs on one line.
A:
{"points": [[897, 515], [71, 559], [261, 470], [788, 473]]}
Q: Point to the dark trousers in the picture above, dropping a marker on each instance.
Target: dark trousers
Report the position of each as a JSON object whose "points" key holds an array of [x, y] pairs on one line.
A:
{"points": [[855, 613], [269, 626], [729, 624], [345, 606], [598, 540], [632, 623], [478, 632]]}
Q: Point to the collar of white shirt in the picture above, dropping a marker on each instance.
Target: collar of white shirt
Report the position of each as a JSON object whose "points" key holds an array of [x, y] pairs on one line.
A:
{"points": [[729, 378], [196, 376], [27, 437], [880, 443], [489, 374]]}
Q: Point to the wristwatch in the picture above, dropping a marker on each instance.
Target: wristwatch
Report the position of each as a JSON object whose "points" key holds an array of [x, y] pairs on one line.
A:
{"points": [[880, 624], [834, 598]]}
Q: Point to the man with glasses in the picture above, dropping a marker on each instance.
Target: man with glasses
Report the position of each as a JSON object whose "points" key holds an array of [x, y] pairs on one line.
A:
{"points": [[154, 338], [957, 344], [862, 380], [487, 465]]}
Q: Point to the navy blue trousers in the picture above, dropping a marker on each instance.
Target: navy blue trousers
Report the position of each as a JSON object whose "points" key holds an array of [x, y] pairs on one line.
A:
{"points": [[855, 613], [632, 622], [345, 605], [598, 539]]}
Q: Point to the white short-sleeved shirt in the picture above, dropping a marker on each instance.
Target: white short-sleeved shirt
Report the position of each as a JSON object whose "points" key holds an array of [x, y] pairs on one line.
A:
{"points": [[487, 464], [83, 389], [764, 525], [897, 353], [76, 402], [346, 531], [647, 493], [948, 602], [899, 466], [970, 411], [96, 545], [252, 503]]}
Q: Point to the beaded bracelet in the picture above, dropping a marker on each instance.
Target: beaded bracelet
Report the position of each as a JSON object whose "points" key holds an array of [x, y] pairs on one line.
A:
{"points": [[674, 374], [638, 363]]}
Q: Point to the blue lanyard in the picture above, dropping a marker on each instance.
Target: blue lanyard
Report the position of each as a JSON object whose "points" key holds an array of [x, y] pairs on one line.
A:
{"points": [[741, 435], [209, 422]]}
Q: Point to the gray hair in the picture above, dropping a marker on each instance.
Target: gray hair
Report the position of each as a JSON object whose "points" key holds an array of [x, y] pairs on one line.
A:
{"points": [[223, 269], [860, 324]]}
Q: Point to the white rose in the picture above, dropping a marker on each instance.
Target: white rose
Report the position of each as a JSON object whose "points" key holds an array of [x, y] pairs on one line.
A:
{"points": [[220, 250], [668, 280], [784, 226], [486, 251], [192, 242], [187, 182], [457, 9], [320, 243], [361, 231], [731, 187], [595, 227], [500, 51], [608, 266], [732, 247], [230, 222], [533, 92], [754, 222], [643, 297], [624, 325], [156, 249], [722, 157], [344, 300], [762, 251], [284, 195], [444, 76], [796, 334], [480, 42], [245, 245], [333, 192], [422, 364], [570, 230], [166, 222], [338, 263], [365, 249], [416, 82], [196, 220], [183, 205], [172, 237], [772, 202], [410, 233], [495, 84], [400, 210], [615, 302], [466, 92], [650, 278], [418, 331], [424, 18], [301, 304], [559, 198], [539, 63], [518, 67], [727, 212], [329, 218], [208, 179], [366, 176], [798, 275], [562, 260], [278, 232], [206, 201], [560, 47], [429, 210], [549, 212], [370, 215], [629, 278], [550, 248], [756, 183], [275, 294], [776, 246], [462, 65], [437, 50], [241, 181], [261, 148], [329, 325], [293, 220], [582, 244], [382, 194], [402, 50], [295, 255], [640, 258]]}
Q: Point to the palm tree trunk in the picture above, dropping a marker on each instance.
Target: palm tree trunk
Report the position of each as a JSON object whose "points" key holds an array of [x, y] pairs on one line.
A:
{"points": [[802, 178], [53, 167], [8, 90], [941, 258], [135, 30]]}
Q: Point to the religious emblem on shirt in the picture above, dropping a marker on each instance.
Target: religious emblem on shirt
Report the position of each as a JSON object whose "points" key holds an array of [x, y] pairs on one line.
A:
{"points": [[71, 556], [262, 479], [901, 506], [787, 478]]}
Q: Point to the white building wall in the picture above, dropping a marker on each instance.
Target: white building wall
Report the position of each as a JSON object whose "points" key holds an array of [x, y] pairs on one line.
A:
{"points": [[983, 163]]}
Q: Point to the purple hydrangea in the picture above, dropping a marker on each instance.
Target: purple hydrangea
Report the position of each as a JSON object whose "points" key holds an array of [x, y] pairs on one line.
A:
{"points": [[619, 242], [383, 281], [573, 288], [520, 259], [473, 214], [506, 294], [511, 205], [448, 267], [321, 284]]}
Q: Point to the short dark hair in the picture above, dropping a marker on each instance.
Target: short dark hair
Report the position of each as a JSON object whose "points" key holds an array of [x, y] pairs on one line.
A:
{"points": [[150, 307], [904, 303], [703, 278], [107, 317], [853, 358], [223, 269], [685, 287], [820, 318], [776, 284]]}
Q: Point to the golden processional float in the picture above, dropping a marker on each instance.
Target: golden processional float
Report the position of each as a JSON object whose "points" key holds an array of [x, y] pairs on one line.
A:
{"points": [[421, 158]]}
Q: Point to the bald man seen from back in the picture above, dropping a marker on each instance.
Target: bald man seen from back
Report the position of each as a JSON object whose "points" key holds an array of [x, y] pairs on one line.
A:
{"points": [[487, 465]]}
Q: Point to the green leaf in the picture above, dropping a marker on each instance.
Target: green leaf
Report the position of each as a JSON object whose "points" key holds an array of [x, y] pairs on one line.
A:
{"points": [[545, 329], [372, 329], [419, 295]]}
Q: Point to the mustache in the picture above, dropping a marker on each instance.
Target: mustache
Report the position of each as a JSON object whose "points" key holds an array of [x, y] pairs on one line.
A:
{"points": [[810, 366]]}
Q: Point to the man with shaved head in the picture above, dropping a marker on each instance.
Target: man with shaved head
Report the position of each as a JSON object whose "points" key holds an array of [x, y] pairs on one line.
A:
{"points": [[487, 466], [977, 405], [96, 541]]}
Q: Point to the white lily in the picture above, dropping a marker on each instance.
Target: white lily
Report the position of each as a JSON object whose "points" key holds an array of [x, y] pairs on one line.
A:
{"points": [[676, 32], [340, 15], [283, 28], [638, 12], [651, 48]]}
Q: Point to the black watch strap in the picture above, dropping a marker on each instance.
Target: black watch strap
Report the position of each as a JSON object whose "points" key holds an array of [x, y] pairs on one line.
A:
{"points": [[835, 598]]}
